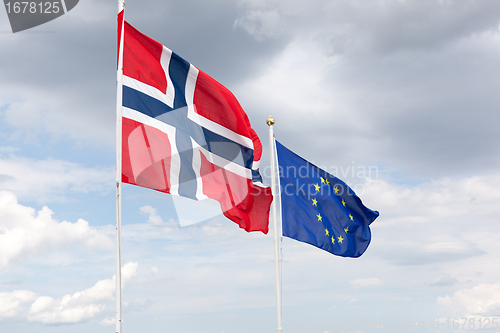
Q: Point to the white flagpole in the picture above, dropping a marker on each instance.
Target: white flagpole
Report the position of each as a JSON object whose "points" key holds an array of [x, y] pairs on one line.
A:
{"points": [[119, 97], [270, 122]]}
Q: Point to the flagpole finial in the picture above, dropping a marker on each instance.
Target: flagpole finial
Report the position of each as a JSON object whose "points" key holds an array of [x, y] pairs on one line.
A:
{"points": [[270, 121]]}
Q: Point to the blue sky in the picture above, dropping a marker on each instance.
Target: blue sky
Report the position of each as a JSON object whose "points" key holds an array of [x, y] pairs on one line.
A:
{"points": [[403, 93]]}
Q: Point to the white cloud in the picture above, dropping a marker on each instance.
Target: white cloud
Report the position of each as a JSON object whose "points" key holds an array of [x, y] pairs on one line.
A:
{"points": [[362, 283], [46, 310], [107, 321], [129, 271], [444, 281], [153, 216], [455, 218], [80, 306], [11, 303], [25, 233], [70, 309], [49, 179], [483, 299], [444, 197]]}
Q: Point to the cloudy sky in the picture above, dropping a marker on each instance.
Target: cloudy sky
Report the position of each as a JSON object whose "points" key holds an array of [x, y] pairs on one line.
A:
{"points": [[398, 98]]}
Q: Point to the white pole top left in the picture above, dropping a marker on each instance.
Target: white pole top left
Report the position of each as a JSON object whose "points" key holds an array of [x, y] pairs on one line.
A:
{"points": [[121, 5]]}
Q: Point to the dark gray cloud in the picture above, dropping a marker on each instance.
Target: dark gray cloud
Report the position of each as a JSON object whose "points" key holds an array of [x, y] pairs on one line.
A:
{"points": [[414, 87], [411, 84], [69, 66]]}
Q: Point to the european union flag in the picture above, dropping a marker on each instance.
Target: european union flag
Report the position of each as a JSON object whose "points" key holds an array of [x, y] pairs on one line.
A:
{"points": [[320, 209]]}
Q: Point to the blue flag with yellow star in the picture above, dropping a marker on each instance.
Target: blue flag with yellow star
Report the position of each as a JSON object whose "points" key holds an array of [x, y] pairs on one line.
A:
{"points": [[320, 209]]}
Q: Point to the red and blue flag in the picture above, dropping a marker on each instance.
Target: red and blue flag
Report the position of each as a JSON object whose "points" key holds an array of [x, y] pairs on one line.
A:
{"points": [[185, 134]]}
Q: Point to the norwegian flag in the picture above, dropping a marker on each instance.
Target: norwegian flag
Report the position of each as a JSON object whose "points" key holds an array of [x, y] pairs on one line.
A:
{"points": [[185, 134]]}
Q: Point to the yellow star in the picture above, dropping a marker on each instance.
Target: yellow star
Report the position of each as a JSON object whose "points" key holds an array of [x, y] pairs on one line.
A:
{"points": [[319, 217], [326, 230], [315, 202], [346, 230], [317, 187], [340, 239], [343, 202], [336, 189], [350, 216], [333, 240], [327, 182], [322, 180]]}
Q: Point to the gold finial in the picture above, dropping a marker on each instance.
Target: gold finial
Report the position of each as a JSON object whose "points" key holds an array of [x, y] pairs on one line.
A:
{"points": [[270, 121]]}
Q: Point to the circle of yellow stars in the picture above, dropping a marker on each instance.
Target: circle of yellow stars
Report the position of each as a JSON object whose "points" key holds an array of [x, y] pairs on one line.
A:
{"points": [[336, 189]]}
